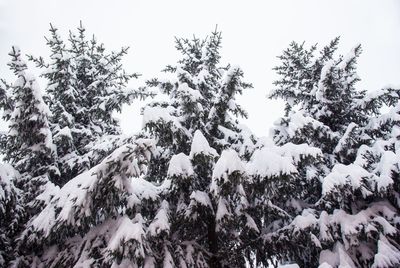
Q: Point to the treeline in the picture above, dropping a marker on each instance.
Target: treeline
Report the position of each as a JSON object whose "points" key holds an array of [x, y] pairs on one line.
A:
{"points": [[194, 187]]}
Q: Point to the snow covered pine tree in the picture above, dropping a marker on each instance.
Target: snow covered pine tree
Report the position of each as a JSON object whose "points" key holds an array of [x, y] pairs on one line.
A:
{"points": [[193, 205], [212, 208], [85, 87], [11, 213], [29, 144], [202, 219], [195, 188], [28, 147], [353, 218]]}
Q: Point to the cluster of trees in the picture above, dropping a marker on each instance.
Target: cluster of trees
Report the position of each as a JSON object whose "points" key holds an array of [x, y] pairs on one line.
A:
{"points": [[195, 188]]}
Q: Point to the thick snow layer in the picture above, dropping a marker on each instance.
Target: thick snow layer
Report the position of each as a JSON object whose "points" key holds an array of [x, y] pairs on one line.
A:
{"points": [[75, 198], [180, 165], [298, 151], [28, 80], [161, 221], [267, 163], [372, 219], [200, 197], [64, 132], [297, 122], [202, 76], [336, 258], [144, 189], [387, 256], [228, 134], [7, 177], [222, 211], [228, 163], [341, 175], [388, 164], [348, 58], [156, 113], [49, 191], [72, 198], [250, 223], [200, 145], [344, 139], [305, 220], [127, 230]]}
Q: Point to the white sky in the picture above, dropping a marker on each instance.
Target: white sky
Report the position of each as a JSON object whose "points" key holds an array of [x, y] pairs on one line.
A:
{"points": [[254, 33]]}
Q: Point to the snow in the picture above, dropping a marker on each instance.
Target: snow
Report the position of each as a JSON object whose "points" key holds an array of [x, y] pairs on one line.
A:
{"points": [[387, 165], [297, 122], [387, 256], [200, 197], [250, 223], [50, 190], [161, 221], [127, 230], [341, 175], [64, 132], [228, 134], [305, 220], [144, 190], [228, 163], [336, 258], [203, 76], [267, 163], [222, 211], [75, 198], [349, 57], [343, 140], [156, 113], [72, 198], [7, 175], [8, 190], [298, 151], [188, 92], [200, 145], [230, 73], [326, 69], [180, 165], [293, 265]]}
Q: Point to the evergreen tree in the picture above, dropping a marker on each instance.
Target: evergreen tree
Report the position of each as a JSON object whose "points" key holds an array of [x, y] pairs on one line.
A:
{"points": [[86, 85], [194, 127], [96, 218], [28, 147], [12, 213], [323, 108], [104, 217], [216, 206]]}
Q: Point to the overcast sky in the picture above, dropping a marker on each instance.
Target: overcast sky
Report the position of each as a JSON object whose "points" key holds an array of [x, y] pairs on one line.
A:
{"points": [[254, 33]]}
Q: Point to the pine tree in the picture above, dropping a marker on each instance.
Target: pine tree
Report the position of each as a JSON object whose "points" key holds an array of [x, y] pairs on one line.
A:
{"points": [[323, 106], [28, 147], [159, 219], [96, 218], [195, 129], [12, 213], [215, 204], [86, 85], [325, 110]]}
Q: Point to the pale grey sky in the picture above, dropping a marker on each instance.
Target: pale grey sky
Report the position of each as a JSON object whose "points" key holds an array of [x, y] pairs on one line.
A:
{"points": [[254, 33]]}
